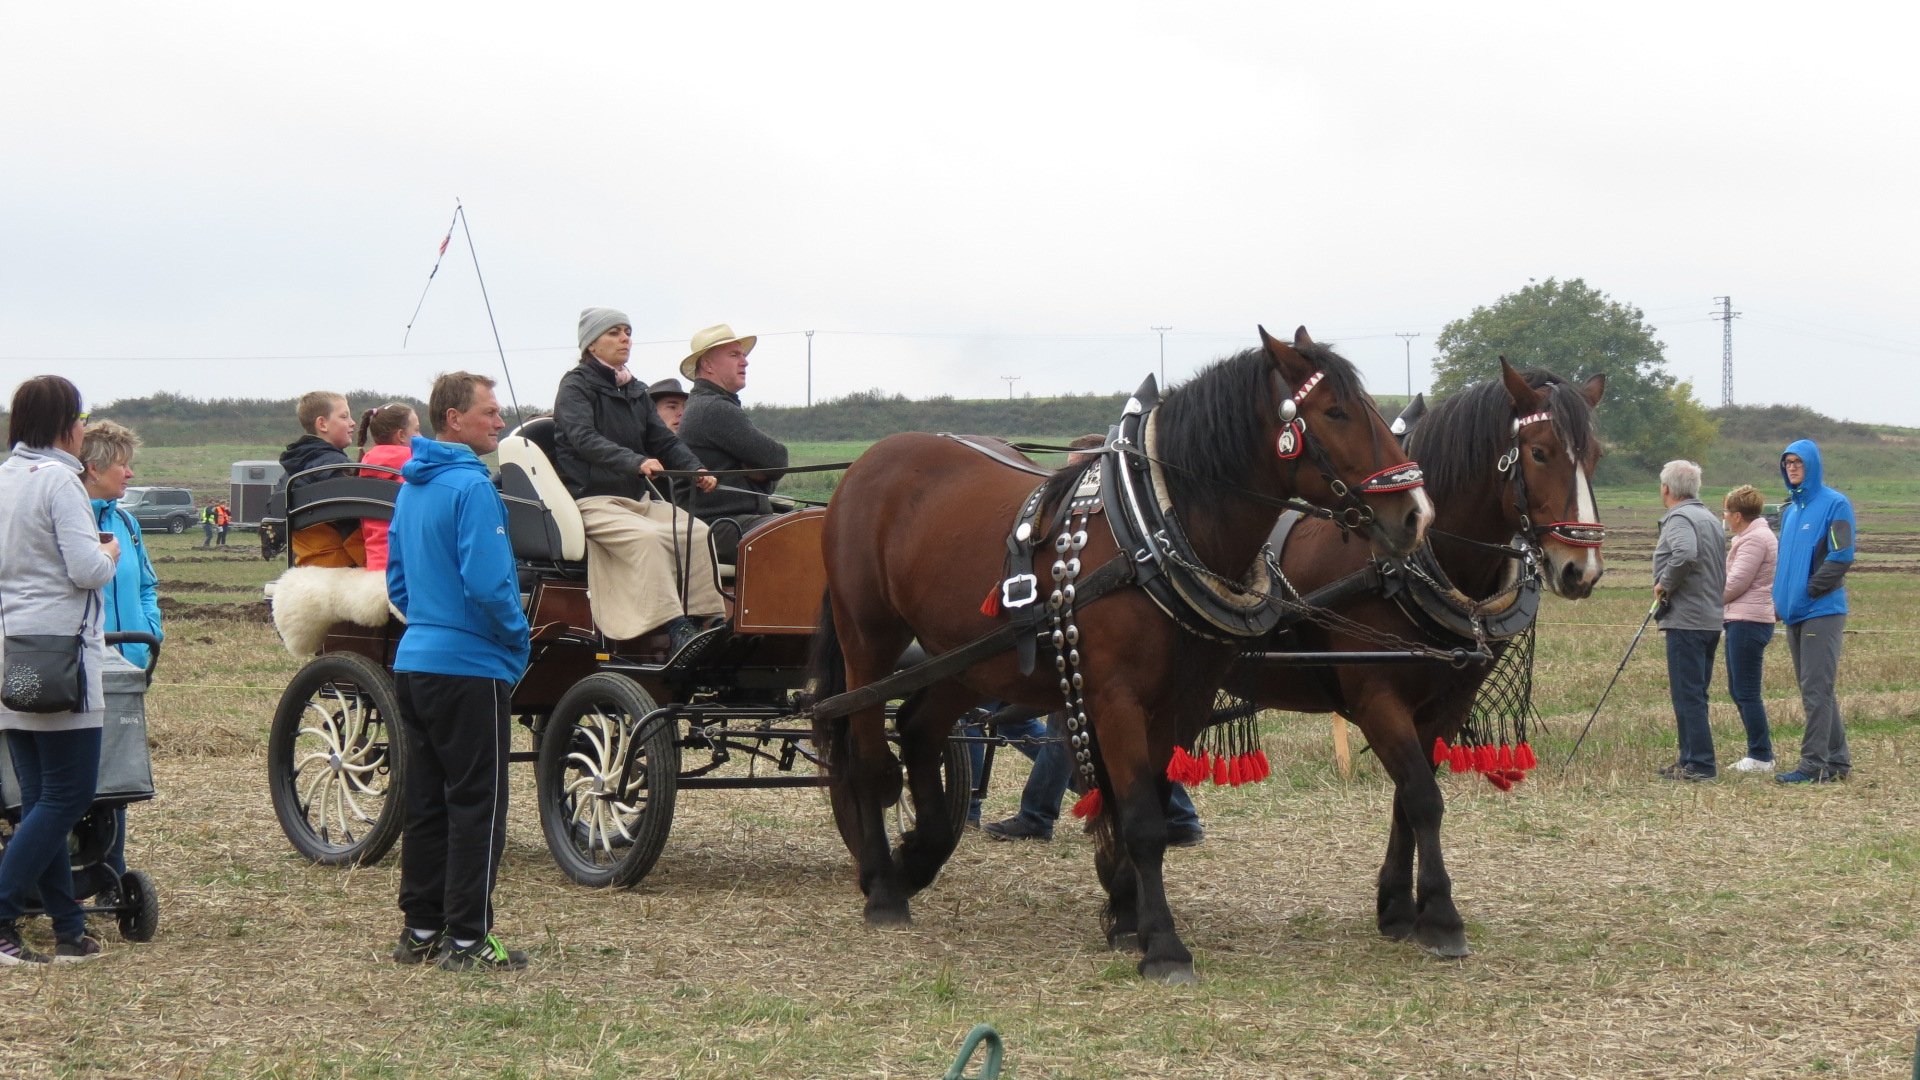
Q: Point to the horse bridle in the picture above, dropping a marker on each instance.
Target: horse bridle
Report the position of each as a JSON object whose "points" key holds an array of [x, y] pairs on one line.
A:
{"points": [[1581, 534], [1295, 441]]}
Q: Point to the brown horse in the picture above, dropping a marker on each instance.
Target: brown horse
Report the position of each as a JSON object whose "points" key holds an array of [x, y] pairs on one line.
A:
{"points": [[918, 532], [1508, 458]]}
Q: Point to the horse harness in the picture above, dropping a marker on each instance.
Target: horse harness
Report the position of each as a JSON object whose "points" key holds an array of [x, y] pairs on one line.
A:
{"points": [[1420, 588], [1584, 534]]}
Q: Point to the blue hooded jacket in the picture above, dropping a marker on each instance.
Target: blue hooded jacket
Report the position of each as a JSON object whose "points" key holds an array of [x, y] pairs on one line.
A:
{"points": [[1816, 528], [131, 600], [450, 569]]}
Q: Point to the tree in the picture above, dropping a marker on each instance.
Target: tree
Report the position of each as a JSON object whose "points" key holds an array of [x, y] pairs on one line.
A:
{"points": [[1576, 331]]}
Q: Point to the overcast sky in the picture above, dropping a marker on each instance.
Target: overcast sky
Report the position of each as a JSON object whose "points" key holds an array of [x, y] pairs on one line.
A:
{"points": [[243, 199]]}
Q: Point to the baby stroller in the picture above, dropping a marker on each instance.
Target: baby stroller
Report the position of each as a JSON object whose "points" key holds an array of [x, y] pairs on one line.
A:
{"points": [[126, 776]]}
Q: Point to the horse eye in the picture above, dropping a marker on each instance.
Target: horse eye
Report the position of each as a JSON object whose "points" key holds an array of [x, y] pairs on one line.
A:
{"points": [[1336, 413], [1539, 456]]}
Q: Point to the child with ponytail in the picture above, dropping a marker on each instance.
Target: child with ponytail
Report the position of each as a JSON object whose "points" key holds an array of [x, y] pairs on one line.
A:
{"points": [[392, 428]]}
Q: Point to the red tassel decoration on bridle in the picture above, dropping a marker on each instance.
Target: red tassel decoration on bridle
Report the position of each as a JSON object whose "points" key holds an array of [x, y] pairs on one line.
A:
{"points": [[990, 607], [1523, 757], [1440, 752], [1459, 760]]}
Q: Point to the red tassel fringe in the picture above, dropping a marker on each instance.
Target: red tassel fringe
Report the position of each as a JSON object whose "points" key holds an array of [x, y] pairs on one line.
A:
{"points": [[991, 605], [1503, 766], [1224, 770], [1088, 806]]}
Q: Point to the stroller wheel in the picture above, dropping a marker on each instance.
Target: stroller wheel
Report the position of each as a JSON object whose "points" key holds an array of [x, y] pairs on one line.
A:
{"points": [[139, 907]]}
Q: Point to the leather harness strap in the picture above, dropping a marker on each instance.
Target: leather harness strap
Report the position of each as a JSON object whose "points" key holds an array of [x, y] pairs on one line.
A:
{"points": [[1111, 576]]}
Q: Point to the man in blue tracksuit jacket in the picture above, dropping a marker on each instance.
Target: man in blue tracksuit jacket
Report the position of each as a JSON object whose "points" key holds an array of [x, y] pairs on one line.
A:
{"points": [[450, 573], [1816, 551]]}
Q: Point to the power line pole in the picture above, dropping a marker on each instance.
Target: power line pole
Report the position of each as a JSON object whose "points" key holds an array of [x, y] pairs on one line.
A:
{"points": [[1408, 337], [1726, 315], [1011, 379], [1162, 331], [809, 369]]}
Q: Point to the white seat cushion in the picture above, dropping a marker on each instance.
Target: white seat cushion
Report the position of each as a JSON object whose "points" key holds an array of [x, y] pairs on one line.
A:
{"points": [[517, 450]]}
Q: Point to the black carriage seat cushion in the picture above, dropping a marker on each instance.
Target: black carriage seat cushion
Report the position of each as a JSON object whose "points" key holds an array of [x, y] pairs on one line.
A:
{"points": [[341, 494]]}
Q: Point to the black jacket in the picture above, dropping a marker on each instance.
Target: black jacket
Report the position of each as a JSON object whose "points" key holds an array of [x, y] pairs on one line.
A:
{"points": [[603, 432], [720, 434], [311, 452]]}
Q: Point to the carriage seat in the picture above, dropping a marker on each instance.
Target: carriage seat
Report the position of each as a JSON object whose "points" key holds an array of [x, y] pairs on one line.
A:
{"points": [[340, 493], [543, 521]]}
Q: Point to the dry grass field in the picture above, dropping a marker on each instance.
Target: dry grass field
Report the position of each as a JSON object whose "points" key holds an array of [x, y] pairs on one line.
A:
{"points": [[1623, 926]]}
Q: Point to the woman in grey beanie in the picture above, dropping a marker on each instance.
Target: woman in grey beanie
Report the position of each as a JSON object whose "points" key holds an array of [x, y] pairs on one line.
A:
{"points": [[610, 443]]}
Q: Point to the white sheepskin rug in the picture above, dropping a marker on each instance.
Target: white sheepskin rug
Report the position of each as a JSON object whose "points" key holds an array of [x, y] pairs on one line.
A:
{"points": [[308, 600]]}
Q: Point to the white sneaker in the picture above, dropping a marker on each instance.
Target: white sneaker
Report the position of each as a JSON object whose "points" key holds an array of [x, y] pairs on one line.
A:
{"points": [[1747, 764]]}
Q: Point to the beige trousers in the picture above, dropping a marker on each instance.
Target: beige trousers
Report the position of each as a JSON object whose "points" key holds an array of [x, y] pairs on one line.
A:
{"points": [[632, 573]]}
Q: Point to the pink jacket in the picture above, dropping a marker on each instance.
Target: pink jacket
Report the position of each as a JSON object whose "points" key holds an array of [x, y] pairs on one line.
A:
{"points": [[1749, 591], [394, 455]]}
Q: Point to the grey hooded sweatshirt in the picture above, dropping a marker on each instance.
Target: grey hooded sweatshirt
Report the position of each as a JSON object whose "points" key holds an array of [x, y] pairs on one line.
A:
{"points": [[51, 569]]}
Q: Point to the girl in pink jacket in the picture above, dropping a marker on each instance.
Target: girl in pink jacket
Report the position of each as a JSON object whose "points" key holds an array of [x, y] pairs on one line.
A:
{"points": [[1749, 618], [392, 428]]}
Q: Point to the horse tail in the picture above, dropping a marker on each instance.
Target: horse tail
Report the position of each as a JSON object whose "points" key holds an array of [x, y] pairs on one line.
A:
{"points": [[827, 676]]}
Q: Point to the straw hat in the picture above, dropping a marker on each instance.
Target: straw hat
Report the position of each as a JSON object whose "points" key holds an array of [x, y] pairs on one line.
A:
{"points": [[712, 337]]}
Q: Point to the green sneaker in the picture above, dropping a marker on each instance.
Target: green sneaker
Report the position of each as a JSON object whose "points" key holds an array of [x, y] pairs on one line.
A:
{"points": [[412, 950], [487, 954]]}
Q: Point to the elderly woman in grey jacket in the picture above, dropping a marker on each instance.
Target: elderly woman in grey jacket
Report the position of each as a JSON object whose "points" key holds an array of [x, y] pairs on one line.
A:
{"points": [[52, 565]]}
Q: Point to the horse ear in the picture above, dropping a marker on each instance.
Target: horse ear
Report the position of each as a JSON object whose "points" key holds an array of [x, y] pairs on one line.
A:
{"points": [[1301, 340], [1295, 367], [1594, 390], [1525, 398]]}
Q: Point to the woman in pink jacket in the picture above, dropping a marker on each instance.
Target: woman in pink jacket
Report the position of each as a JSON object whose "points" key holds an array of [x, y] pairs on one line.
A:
{"points": [[392, 428], [1749, 618]]}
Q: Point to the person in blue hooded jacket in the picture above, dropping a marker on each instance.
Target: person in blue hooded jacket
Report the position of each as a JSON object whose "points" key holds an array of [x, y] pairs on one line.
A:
{"points": [[131, 600], [1810, 594], [451, 575]]}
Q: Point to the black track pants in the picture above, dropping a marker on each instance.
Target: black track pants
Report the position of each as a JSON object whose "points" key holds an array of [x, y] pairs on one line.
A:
{"points": [[456, 800]]}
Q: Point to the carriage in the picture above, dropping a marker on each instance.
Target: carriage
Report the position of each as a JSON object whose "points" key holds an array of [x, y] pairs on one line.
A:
{"points": [[617, 728]]}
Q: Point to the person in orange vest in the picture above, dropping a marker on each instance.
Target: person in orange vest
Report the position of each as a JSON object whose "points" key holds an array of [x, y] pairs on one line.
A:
{"points": [[222, 517]]}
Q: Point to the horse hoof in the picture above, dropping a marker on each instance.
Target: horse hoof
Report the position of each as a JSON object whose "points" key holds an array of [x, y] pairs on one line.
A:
{"points": [[1169, 972], [1449, 945], [1123, 941], [882, 917], [1397, 931]]}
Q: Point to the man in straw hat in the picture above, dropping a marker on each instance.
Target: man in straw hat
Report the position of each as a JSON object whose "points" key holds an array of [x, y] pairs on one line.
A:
{"points": [[611, 444], [670, 401], [720, 433]]}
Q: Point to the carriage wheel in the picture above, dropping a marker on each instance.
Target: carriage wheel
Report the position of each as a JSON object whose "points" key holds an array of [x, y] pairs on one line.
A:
{"points": [[603, 831], [335, 759], [139, 913], [956, 779]]}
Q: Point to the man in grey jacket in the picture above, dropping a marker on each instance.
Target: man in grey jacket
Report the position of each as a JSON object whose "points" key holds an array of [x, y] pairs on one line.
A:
{"points": [[1689, 576], [722, 436]]}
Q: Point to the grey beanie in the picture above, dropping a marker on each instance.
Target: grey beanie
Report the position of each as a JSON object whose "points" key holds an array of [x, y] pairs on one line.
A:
{"points": [[595, 321]]}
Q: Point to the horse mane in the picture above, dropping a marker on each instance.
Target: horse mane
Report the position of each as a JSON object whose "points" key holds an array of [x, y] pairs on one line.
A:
{"points": [[1458, 440], [1234, 394]]}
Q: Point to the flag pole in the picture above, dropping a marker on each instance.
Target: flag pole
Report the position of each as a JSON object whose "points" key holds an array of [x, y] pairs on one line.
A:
{"points": [[460, 214]]}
